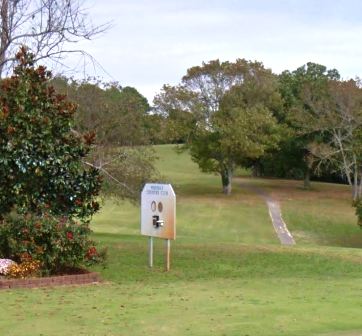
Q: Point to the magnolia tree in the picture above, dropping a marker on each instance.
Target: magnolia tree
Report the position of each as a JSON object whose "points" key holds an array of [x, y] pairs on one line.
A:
{"points": [[47, 197]]}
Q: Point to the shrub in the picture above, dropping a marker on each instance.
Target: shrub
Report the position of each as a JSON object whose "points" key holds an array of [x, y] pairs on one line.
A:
{"points": [[40, 152], [56, 243], [358, 205], [25, 269], [45, 186]]}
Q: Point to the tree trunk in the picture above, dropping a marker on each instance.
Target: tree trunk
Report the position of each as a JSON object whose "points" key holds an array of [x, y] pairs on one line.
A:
{"points": [[4, 13], [257, 169], [307, 178], [356, 186], [355, 189], [360, 186], [226, 178]]}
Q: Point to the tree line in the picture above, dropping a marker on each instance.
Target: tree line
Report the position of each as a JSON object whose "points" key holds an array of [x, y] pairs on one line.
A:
{"points": [[298, 124]]}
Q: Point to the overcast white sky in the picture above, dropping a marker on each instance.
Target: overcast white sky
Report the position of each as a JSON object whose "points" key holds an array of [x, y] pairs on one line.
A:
{"points": [[153, 42]]}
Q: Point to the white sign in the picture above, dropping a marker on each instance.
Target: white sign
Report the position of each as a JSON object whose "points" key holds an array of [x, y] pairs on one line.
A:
{"points": [[158, 211]]}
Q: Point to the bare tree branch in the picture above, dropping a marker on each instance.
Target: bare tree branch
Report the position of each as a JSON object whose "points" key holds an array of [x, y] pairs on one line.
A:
{"points": [[45, 26], [100, 168]]}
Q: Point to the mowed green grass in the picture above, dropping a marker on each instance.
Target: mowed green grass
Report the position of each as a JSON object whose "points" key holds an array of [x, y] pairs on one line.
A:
{"points": [[204, 214], [320, 216], [229, 275]]}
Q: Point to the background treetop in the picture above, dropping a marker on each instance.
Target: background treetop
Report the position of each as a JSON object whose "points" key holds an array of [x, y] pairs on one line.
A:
{"points": [[119, 116]]}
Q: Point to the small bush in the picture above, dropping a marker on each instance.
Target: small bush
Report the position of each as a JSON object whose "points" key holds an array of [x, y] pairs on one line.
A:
{"points": [[56, 243], [358, 205], [45, 187], [25, 269]]}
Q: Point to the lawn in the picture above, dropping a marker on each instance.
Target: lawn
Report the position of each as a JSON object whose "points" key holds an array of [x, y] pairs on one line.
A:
{"points": [[320, 216], [229, 275]]}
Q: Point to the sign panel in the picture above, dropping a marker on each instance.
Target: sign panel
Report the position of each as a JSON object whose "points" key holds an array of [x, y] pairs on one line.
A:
{"points": [[158, 211]]}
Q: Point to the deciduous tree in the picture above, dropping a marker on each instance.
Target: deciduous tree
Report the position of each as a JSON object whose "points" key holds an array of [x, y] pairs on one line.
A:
{"points": [[337, 117], [313, 78], [231, 105], [50, 28]]}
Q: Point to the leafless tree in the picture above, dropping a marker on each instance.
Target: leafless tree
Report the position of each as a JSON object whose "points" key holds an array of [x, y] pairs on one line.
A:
{"points": [[47, 27], [338, 118]]}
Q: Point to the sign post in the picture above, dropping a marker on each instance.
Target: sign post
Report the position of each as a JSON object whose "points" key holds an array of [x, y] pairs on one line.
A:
{"points": [[158, 217], [168, 254], [150, 251]]}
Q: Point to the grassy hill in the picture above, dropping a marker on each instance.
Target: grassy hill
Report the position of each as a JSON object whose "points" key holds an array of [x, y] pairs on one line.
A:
{"points": [[229, 275]]}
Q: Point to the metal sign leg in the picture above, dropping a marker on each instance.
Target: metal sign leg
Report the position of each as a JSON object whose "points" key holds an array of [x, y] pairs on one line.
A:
{"points": [[150, 251], [168, 254]]}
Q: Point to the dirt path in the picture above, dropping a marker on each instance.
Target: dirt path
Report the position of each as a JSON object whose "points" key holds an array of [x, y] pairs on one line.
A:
{"points": [[280, 227]]}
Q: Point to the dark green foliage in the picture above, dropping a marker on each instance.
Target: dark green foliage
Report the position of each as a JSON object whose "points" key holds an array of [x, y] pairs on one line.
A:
{"points": [[293, 157], [45, 189], [358, 205], [287, 161], [40, 155], [56, 242]]}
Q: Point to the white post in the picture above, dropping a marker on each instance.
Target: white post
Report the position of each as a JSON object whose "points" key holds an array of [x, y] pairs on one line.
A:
{"points": [[150, 251], [168, 252]]}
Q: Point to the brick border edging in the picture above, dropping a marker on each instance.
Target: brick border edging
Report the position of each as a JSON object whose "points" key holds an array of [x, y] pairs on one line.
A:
{"points": [[75, 279]]}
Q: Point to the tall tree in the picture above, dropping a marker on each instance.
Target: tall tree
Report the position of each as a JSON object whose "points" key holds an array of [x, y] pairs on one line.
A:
{"points": [[337, 117], [47, 27], [314, 78], [232, 113]]}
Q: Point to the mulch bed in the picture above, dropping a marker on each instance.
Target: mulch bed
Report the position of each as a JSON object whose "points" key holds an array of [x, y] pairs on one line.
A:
{"points": [[81, 277]]}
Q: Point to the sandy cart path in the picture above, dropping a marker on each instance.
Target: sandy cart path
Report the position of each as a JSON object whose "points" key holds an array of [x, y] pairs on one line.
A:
{"points": [[275, 213]]}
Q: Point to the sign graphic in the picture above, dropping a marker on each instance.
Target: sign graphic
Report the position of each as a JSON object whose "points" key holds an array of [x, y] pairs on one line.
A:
{"points": [[158, 211]]}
